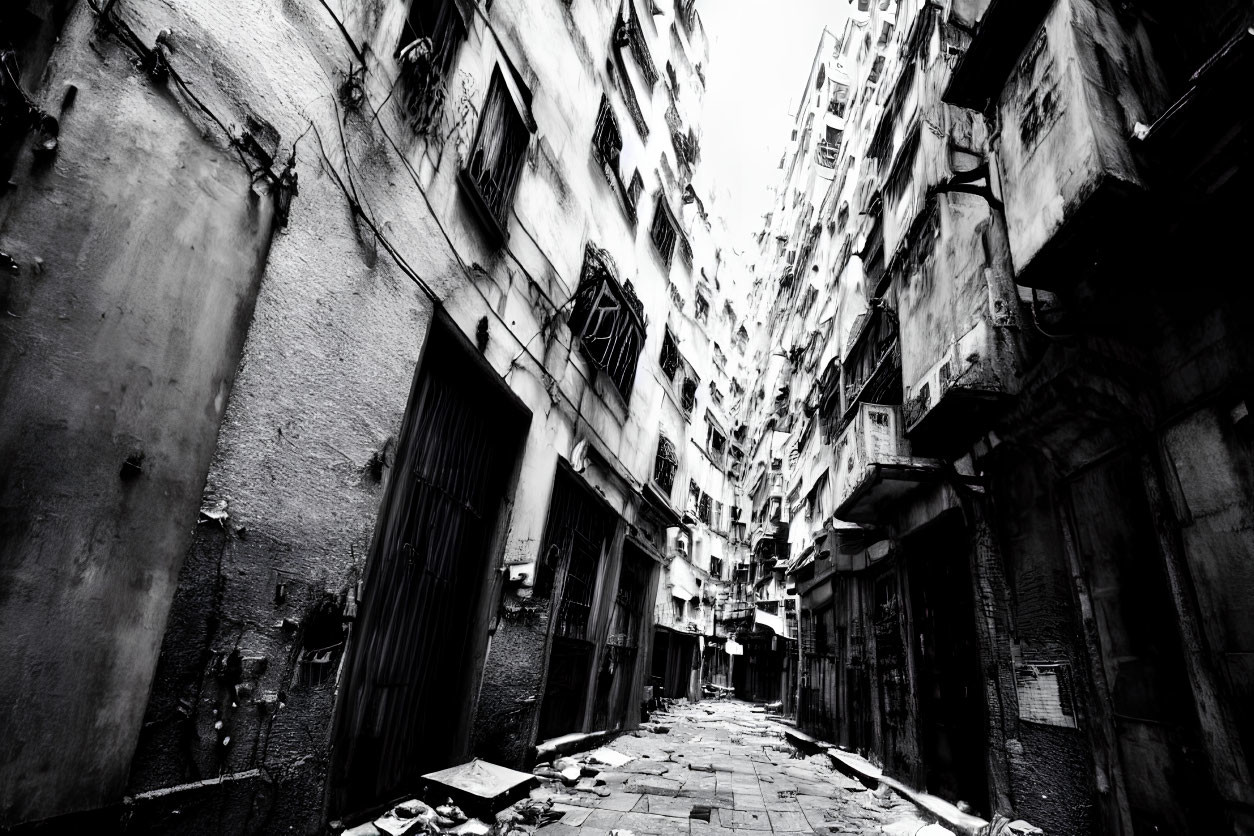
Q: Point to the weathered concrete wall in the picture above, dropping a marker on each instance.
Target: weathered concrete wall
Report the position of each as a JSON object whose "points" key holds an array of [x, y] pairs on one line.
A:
{"points": [[141, 246], [1067, 111]]}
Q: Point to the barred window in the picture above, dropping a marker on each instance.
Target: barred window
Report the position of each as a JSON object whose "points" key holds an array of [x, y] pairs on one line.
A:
{"points": [[665, 464], [639, 46], [608, 319], [607, 140], [433, 30], [670, 356], [663, 230], [496, 159]]}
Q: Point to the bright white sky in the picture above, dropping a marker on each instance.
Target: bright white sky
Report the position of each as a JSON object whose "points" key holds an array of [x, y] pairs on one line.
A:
{"points": [[760, 54]]}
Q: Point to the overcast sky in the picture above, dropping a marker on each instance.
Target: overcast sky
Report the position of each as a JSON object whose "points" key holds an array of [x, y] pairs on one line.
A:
{"points": [[760, 54]]}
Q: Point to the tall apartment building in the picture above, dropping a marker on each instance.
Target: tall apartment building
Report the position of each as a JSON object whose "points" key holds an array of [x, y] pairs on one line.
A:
{"points": [[1002, 410], [367, 384]]}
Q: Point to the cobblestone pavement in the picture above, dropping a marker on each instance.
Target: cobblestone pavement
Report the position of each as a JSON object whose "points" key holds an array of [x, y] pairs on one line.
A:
{"points": [[725, 761]]}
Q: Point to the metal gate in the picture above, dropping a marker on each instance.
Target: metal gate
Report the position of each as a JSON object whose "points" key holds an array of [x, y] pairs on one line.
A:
{"points": [[404, 694]]}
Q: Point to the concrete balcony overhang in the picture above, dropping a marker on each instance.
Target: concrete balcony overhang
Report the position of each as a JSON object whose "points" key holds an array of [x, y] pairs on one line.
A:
{"points": [[875, 468], [1003, 34], [1073, 190]]}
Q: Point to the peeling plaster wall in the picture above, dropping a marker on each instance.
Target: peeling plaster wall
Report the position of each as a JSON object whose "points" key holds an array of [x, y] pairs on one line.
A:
{"points": [[141, 246], [1067, 113]]}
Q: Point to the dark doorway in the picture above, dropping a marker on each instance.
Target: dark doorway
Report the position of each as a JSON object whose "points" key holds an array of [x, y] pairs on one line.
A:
{"points": [[406, 693], [616, 679], [1167, 776], [950, 685], [577, 538]]}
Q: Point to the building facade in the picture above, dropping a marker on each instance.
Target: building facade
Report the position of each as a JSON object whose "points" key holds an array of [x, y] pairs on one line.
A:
{"points": [[1008, 407], [359, 362]]}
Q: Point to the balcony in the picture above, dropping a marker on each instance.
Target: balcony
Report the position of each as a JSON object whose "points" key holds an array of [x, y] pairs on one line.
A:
{"points": [[826, 154], [874, 466], [1068, 82]]}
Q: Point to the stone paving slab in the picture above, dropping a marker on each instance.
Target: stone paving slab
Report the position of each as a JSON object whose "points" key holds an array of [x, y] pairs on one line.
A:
{"points": [[722, 756]]}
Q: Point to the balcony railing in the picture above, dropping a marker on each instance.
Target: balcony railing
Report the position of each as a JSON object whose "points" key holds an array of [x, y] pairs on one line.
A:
{"points": [[826, 155], [874, 465]]}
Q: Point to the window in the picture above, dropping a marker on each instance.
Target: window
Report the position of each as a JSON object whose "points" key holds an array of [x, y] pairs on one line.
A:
{"points": [[703, 508], [607, 141], [633, 36], [670, 356], [720, 359], [718, 516], [702, 309], [677, 608], [688, 398], [433, 30], [665, 464], [715, 442], [715, 394], [608, 320], [840, 100], [496, 159], [635, 189], [716, 567], [741, 339], [663, 231]]}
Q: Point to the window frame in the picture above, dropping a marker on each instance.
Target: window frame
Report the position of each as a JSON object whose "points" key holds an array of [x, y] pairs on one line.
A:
{"points": [[598, 282], [494, 213]]}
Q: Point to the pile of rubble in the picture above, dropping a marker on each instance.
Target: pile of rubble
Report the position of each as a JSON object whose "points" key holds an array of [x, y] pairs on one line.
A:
{"points": [[414, 816]]}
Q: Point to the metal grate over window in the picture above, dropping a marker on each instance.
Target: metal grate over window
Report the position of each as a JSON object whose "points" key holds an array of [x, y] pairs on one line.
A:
{"points": [[496, 159], [608, 320], [663, 231], [665, 464], [670, 356], [433, 30]]}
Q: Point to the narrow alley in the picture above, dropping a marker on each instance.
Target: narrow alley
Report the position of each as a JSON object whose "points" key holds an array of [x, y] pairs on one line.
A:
{"points": [[640, 417]]}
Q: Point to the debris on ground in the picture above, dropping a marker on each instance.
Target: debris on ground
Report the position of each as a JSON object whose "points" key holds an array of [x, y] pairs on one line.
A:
{"points": [[479, 787]]}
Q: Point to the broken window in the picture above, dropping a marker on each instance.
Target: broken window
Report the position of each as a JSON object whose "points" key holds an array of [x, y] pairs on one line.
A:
{"points": [[702, 309], [716, 567], [688, 398], [665, 464], [433, 30], [608, 319], [663, 232], [703, 508], [496, 159], [720, 359], [715, 394], [715, 442], [670, 356]]}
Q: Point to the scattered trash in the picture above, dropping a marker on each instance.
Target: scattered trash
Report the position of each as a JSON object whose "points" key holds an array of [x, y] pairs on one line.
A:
{"points": [[407, 818], [478, 787]]}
